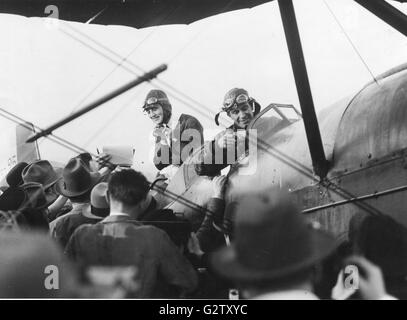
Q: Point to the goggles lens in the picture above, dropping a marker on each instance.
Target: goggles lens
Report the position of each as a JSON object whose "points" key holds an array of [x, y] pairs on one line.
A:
{"points": [[151, 103], [152, 100], [240, 99]]}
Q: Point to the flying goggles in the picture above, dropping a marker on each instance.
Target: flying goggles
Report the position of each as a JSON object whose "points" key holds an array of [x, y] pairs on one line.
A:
{"points": [[150, 102], [236, 103]]}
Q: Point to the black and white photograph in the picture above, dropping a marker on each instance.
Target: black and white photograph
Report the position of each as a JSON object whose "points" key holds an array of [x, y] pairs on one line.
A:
{"points": [[187, 151]]}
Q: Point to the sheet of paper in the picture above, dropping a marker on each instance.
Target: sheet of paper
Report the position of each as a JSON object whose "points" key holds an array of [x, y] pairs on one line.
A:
{"points": [[121, 155]]}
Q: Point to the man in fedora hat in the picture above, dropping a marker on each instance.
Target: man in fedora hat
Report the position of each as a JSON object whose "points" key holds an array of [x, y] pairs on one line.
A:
{"points": [[99, 205], [274, 251], [241, 108], [76, 184], [12, 198], [175, 138], [41, 171], [29, 203], [122, 239], [34, 209]]}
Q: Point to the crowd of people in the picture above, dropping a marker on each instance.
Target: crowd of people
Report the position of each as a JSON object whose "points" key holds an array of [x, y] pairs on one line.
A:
{"points": [[95, 230]]}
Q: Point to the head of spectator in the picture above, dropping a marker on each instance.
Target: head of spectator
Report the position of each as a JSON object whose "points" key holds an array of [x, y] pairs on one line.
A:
{"points": [[77, 181], [326, 280], [98, 200], [128, 192], [41, 171], [14, 177], [275, 249], [12, 199], [33, 267], [383, 241], [26, 205], [35, 196], [240, 107], [354, 225], [157, 107], [30, 207]]}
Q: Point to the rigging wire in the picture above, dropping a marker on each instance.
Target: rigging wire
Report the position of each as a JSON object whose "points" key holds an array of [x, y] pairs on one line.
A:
{"points": [[110, 120], [177, 94], [122, 61], [199, 33], [351, 42], [62, 142]]}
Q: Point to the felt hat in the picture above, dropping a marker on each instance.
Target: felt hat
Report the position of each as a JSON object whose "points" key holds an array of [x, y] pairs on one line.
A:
{"points": [[76, 179], [12, 198], [272, 240], [98, 200], [35, 196], [40, 171]]}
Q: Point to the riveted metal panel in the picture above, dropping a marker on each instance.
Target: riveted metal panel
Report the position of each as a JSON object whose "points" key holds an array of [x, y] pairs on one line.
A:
{"points": [[374, 125]]}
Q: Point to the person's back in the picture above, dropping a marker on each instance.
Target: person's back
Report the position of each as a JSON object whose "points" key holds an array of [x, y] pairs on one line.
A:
{"points": [[76, 185], [118, 241], [62, 228], [122, 239]]}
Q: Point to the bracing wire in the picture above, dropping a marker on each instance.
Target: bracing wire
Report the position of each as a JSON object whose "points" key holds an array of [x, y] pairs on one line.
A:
{"points": [[177, 94], [351, 42], [119, 64]]}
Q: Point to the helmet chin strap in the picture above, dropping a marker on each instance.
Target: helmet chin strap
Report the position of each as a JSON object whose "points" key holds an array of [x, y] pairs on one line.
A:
{"points": [[217, 118], [166, 116], [256, 107]]}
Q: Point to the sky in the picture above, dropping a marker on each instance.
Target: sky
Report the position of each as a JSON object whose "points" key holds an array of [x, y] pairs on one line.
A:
{"points": [[51, 68]]}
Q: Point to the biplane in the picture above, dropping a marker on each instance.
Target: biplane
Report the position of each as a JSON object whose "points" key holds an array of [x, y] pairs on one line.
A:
{"points": [[348, 159]]}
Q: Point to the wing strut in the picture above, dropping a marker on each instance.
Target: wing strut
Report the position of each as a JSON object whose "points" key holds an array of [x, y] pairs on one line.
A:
{"points": [[385, 11], [319, 162]]}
